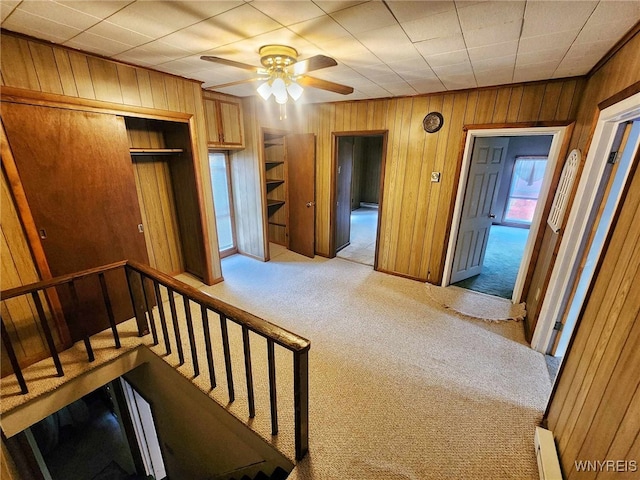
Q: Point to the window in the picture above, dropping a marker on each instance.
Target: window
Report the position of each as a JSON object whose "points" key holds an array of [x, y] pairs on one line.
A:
{"points": [[524, 189], [222, 199]]}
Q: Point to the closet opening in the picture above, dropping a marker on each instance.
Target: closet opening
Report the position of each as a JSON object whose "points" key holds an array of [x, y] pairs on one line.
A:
{"points": [[358, 176]]}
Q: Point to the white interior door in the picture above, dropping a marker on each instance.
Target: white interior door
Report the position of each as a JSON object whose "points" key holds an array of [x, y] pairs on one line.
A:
{"points": [[483, 182]]}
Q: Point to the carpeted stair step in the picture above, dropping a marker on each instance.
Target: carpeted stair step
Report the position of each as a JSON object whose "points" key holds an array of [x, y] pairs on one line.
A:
{"points": [[278, 474]]}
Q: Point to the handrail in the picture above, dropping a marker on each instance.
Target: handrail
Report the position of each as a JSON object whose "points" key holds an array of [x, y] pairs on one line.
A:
{"points": [[144, 301], [281, 336], [57, 281]]}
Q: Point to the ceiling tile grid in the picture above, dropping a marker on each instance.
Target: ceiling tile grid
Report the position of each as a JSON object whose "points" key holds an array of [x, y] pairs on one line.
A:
{"points": [[384, 48]]}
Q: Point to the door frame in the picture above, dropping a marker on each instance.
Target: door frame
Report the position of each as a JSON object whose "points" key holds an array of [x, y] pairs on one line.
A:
{"points": [[334, 180], [560, 133], [568, 258]]}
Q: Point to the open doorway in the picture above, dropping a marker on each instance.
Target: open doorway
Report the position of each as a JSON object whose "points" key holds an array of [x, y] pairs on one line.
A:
{"points": [[358, 189], [502, 191], [485, 207]]}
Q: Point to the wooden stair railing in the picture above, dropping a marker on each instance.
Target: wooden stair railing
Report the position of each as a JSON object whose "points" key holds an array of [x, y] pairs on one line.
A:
{"points": [[144, 285]]}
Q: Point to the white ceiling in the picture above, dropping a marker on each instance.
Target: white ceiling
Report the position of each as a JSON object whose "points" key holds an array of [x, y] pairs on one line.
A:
{"points": [[383, 48]]}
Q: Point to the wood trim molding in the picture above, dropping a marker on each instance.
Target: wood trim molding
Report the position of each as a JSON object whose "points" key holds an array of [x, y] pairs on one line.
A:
{"points": [[32, 97], [621, 95], [490, 126], [621, 43]]}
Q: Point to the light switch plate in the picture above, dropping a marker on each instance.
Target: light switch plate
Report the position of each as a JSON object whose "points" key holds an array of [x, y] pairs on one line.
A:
{"points": [[435, 177]]}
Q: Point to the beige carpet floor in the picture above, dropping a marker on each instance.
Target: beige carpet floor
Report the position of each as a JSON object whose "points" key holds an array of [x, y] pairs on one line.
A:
{"points": [[400, 388]]}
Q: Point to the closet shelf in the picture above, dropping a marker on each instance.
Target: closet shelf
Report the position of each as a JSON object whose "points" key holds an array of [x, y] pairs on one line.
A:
{"points": [[274, 182], [155, 151], [274, 203]]}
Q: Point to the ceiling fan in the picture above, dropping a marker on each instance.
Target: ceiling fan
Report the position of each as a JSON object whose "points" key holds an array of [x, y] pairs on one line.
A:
{"points": [[283, 75]]}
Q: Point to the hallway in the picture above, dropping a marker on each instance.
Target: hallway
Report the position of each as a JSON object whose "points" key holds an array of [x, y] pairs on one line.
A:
{"points": [[362, 247]]}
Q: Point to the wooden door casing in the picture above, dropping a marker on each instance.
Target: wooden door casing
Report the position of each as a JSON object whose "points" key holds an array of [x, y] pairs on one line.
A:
{"points": [[301, 181], [485, 171], [78, 178]]}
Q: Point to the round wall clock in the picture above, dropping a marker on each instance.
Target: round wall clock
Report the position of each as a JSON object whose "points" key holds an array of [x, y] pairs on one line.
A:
{"points": [[432, 122]]}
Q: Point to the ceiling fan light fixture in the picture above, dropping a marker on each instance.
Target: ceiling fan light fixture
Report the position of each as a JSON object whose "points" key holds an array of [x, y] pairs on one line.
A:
{"points": [[265, 90], [295, 90], [279, 89]]}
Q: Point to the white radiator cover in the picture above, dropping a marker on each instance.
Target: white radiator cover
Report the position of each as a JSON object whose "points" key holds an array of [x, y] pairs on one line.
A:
{"points": [[547, 455]]}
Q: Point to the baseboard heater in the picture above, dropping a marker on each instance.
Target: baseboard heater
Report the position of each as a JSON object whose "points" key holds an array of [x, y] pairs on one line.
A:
{"points": [[547, 455]]}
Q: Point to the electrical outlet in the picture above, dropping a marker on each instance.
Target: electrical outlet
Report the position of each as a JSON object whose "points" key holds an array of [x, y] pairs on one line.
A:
{"points": [[435, 177]]}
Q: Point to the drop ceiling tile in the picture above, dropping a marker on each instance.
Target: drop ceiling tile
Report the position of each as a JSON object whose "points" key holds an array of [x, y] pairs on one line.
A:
{"points": [[400, 88], [373, 90], [363, 17], [494, 77], [412, 65], [185, 66], [610, 11], [440, 45], [97, 8], [389, 44], [506, 62], [6, 7], [532, 74], [331, 6], [443, 24], [449, 58], [544, 56], [110, 30], [40, 27], [609, 31], [159, 18], [429, 85], [547, 41], [97, 44], [481, 15], [418, 76], [463, 68], [458, 82], [143, 56], [349, 50], [287, 14], [490, 35], [59, 14], [320, 30], [493, 51], [406, 11], [550, 17]]}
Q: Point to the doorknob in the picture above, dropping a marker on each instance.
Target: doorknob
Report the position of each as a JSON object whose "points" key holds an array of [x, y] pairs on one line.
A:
{"points": [[310, 204], [492, 215]]}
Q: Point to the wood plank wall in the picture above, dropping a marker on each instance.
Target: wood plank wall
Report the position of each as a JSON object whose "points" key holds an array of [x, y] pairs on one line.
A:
{"points": [[618, 73], [19, 269], [416, 213], [247, 189], [595, 409], [42, 67]]}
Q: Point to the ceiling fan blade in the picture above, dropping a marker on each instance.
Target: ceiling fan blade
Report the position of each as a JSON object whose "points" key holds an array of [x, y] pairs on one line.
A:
{"points": [[324, 85], [313, 63], [231, 63], [231, 84]]}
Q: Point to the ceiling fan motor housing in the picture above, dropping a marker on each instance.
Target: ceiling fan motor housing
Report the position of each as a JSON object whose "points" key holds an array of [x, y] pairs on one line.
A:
{"points": [[277, 56]]}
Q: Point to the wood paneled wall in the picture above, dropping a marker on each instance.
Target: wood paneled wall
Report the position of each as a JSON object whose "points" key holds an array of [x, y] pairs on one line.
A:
{"points": [[618, 73], [18, 268], [416, 214], [595, 410], [247, 188], [41, 67]]}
